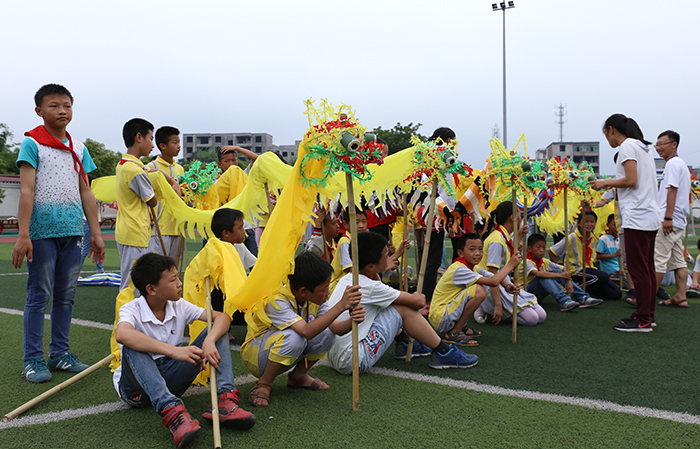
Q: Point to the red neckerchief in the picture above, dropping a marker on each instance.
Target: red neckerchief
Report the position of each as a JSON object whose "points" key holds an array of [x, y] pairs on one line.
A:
{"points": [[43, 137], [588, 250], [464, 261], [507, 238], [538, 264], [613, 234]]}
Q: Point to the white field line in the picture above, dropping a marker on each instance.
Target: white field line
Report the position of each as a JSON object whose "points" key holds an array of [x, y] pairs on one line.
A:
{"points": [[27, 274], [570, 400], [595, 404], [75, 321]]}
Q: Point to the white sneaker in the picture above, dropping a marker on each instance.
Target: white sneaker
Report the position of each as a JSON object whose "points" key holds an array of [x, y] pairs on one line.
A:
{"points": [[480, 315]]}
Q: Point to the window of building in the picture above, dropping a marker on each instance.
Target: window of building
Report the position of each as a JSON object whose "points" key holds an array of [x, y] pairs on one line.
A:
{"points": [[204, 140], [562, 148], [242, 139], [578, 159], [284, 154], [258, 150], [578, 148], [258, 139], [591, 148], [189, 150], [230, 142], [189, 139], [217, 139]]}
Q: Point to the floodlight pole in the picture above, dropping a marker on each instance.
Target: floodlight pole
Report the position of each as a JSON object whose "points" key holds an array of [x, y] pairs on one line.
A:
{"points": [[498, 7]]}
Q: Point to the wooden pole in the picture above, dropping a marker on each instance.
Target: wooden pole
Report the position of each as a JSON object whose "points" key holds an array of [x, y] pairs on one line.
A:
{"points": [[270, 206], [323, 229], [404, 258], [426, 250], [154, 214], [584, 247], [180, 247], [355, 281], [212, 379], [19, 410], [566, 228], [620, 259], [514, 199]]}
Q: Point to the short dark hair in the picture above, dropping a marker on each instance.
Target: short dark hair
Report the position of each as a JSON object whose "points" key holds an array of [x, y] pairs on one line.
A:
{"points": [[310, 271], [50, 89], [133, 127], [346, 215], [220, 153], [535, 238], [672, 136], [611, 217], [164, 133], [587, 212], [148, 269], [443, 133], [224, 219], [462, 240], [369, 248]]}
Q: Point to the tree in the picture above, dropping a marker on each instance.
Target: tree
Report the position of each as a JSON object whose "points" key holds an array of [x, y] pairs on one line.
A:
{"points": [[399, 137], [105, 160], [8, 151]]}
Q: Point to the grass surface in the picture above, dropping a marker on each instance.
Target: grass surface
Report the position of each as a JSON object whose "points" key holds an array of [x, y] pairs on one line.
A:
{"points": [[575, 354]]}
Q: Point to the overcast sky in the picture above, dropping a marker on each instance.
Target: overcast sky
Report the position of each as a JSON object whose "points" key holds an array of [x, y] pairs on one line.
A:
{"points": [[248, 66]]}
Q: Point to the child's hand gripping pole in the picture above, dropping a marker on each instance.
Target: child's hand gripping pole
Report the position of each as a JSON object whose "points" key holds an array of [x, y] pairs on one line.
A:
{"points": [[212, 378], [426, 250], [355, 281]]}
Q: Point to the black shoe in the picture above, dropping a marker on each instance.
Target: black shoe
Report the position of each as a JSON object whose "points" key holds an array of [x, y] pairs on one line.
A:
{"points": [[627, 319], [633, 325], [662, 295]]}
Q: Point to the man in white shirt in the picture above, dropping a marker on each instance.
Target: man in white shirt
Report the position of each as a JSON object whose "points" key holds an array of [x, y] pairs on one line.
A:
{"points": [[674, 203]]}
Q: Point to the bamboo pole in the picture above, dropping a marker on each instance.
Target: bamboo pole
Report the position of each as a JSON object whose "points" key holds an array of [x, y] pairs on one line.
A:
{"points": [[514, 199], [584, 247], [154, 214], [620, 259], [404, 258], [180, 248], [426, 250], [355, 281], [270, 206], [323, 228], [566, 228], [212, 379], [19, 410]]}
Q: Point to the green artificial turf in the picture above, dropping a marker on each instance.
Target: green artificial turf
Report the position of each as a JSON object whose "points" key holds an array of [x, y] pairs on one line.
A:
{"points": [[575, 354]]}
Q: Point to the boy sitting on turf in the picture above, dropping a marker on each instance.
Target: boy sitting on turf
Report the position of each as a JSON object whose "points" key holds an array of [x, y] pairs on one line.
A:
{"points": [[462, 288], [608, 249], [387, 310], [546, 277], [155, 369], [297, 324], [597, 282]]}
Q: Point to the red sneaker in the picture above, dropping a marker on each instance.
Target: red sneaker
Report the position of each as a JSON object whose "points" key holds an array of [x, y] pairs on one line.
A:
{"points": [[231, 413], [181, 424]]}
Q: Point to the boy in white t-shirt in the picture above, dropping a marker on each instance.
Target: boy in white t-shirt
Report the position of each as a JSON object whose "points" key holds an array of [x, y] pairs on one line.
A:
{"points": [[155, 369], [387, 310]]}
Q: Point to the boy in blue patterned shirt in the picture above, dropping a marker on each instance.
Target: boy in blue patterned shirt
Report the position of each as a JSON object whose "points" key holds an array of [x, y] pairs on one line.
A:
{"points": [[54, 195]]}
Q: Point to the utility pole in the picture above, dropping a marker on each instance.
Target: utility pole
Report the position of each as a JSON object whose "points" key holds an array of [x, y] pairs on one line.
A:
{"points": [[560, 114]]}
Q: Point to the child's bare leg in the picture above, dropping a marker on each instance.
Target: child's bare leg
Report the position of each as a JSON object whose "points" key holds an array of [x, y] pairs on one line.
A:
{"points": [[469, 308], [417, 326]]}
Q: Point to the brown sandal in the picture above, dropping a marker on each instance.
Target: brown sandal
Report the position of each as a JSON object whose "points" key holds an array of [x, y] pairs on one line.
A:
{"points": [[256, 393]]}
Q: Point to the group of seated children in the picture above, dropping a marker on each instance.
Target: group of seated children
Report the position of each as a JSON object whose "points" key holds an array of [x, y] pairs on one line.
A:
{"points": [[300, 325]]}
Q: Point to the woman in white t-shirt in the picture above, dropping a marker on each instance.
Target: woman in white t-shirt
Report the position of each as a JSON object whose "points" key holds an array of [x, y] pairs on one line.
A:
{"points": [[635, 179]]}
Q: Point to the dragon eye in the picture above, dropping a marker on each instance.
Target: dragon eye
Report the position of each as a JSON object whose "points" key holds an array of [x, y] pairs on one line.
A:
{"points": [[193, 185], [350, 142], [448, 158]]}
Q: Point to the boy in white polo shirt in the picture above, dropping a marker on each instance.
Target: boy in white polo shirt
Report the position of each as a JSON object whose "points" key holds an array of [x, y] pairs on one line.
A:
{"points": [[155, 369]]}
